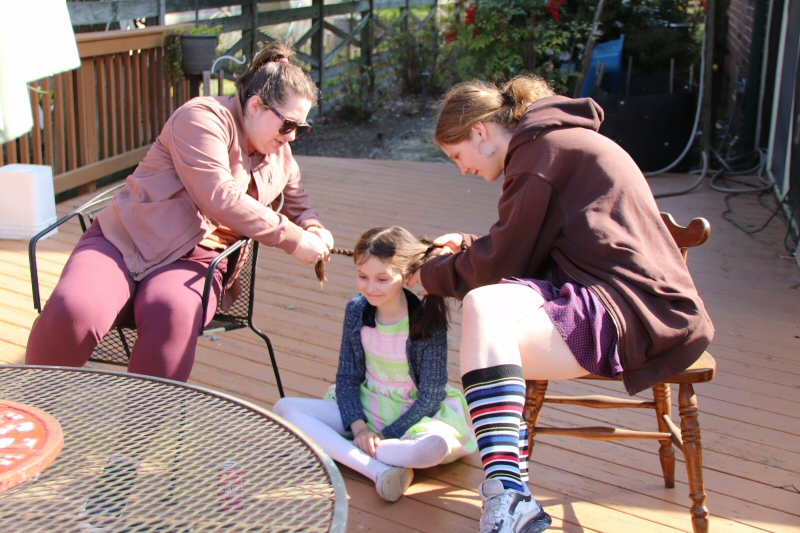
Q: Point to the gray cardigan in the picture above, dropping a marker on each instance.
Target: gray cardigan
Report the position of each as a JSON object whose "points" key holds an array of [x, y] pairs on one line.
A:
{"points": [[427, 361]]}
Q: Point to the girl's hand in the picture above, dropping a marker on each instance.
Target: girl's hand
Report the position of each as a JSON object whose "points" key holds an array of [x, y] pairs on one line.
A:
{"points": [[311, 249], [322, 233], [367, 441]]}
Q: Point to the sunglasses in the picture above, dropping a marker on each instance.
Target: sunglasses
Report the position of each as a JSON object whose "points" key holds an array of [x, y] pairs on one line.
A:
{"points": [[288, 125]]}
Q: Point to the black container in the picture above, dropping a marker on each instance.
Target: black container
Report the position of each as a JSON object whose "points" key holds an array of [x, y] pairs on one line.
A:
{"points": [[652, 124], [199, 53]]}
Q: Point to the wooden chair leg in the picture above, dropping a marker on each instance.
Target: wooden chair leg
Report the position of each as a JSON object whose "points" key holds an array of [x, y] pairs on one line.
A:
{"points": [[534, 399], [693, 454], [661, 396]]}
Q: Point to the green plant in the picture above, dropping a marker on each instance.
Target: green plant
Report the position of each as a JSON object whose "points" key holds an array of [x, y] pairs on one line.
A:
{"points": [[360, 98], [494, 36], [415, 52], [657, 32], [173, 51], [499, 39]]}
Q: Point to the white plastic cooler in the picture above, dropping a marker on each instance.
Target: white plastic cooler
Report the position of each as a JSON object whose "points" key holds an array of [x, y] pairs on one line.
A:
{"points": [[27, 200]]}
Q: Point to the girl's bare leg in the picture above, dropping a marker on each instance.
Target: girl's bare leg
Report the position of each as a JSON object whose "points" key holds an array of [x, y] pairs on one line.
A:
{"points": [[506, 324], [507, 338]]}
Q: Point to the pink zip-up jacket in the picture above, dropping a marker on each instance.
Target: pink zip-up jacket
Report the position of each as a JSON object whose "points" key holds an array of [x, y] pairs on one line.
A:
{"points": [[194, 179]]}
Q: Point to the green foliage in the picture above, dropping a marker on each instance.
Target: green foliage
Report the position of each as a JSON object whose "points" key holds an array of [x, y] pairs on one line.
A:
{"points": [[495, 36], [496, 40], [415, 52], [656, 32], [360, 98], [499, 39], [173, 52]]}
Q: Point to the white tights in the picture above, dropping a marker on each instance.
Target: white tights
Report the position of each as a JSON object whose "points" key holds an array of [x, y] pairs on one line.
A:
{"points": [[320, 420]]}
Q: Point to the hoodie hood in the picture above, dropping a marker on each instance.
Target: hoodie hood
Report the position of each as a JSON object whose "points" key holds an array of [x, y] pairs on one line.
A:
{"points": [[557, 112]]}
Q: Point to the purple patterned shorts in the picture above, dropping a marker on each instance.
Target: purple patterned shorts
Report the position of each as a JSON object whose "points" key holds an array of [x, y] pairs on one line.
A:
{"points": [[582, 320]]}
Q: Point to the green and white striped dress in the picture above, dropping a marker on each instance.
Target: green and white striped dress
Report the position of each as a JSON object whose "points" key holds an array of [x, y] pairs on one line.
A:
{"points": [[388, 391]]}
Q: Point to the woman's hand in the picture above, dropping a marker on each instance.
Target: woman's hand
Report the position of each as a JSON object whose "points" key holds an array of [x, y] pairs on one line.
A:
{"points": [[365, 439], [311, 249], [322, 233]]}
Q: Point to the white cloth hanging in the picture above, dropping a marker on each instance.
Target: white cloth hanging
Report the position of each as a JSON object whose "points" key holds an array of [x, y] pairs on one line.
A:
{"points": [[36, 41]]}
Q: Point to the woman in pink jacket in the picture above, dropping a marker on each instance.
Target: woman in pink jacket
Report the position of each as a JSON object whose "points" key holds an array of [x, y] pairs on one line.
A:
{"points": [[209, 179]]}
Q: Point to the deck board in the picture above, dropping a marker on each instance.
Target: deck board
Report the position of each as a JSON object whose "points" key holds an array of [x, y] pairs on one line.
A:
{"points": [[749, 414]]}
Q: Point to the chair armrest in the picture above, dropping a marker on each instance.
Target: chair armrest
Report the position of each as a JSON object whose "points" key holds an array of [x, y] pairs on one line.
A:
{"points": [[88, 210], [37, 302], [212, 268]]}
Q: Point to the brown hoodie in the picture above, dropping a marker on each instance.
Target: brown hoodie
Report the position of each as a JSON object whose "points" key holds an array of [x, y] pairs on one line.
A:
{"points": [[574, 197]]}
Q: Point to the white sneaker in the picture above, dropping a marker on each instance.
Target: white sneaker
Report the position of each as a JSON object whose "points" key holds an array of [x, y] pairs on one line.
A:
{"points": [[393, 482], [510, 511]]}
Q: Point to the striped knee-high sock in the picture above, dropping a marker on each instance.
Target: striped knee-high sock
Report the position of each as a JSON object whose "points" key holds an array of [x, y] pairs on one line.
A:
{"points": [[523, 451], [496, 397]]}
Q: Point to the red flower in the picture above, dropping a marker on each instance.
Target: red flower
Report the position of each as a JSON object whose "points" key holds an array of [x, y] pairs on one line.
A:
{"points": [[554, 8], [450, 36], [471, 12]]}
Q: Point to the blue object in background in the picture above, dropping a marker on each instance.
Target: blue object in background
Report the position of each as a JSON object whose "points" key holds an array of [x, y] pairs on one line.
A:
{"points": [[610, 53]]}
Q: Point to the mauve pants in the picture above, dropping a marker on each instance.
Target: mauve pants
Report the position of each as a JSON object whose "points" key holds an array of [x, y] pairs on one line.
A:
{"points": [[96, 293]]}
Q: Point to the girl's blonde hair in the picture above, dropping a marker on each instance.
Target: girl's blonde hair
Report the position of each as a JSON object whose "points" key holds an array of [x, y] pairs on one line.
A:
{"points": [[469, 103]]}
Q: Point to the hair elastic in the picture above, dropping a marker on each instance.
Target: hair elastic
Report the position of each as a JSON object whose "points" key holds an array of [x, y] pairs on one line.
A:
{"points": [[507, 99]]}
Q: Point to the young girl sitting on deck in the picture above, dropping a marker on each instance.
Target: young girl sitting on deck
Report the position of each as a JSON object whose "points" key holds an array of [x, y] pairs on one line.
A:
{"points": [[391, 409]]}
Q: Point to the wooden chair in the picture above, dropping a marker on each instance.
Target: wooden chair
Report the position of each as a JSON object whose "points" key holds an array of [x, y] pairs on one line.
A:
{"points": [[115, 348], [686, 437]]}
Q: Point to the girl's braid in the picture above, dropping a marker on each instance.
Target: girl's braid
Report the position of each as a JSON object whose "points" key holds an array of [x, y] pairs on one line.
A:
{"points": [[319, 268]]}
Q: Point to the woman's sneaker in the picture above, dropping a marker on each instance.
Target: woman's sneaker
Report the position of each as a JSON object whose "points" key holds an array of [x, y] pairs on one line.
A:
{"points": [[393, 482], [510, 511]]}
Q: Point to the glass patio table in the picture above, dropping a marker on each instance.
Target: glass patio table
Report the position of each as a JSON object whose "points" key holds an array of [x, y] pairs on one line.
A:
{"points": [[147, 454]]}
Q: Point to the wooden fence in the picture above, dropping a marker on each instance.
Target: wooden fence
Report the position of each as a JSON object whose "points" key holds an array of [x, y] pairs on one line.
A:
{"points": [[102, 118]]}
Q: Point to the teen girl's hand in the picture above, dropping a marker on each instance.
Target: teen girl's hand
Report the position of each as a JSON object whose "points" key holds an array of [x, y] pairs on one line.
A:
{"points": [[311, 249], [438, 249], [453, 241], [416, 279]]}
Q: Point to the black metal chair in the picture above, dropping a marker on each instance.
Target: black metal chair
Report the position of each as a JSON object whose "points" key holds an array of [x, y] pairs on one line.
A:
{"points": [[115, 348]]}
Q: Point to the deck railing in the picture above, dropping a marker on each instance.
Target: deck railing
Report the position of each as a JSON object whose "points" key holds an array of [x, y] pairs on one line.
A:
{"points": [[103, 116]]}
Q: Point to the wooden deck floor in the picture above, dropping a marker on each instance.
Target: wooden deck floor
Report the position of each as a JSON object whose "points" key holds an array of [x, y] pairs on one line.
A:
{"points": [[749, 414]]}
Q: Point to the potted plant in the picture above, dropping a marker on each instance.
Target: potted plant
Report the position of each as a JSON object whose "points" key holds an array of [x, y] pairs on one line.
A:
{"points": [[189, 50]]}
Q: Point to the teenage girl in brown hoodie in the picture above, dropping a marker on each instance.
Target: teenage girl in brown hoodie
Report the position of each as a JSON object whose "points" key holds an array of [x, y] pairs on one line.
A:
{"points": [[579, 275]]}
